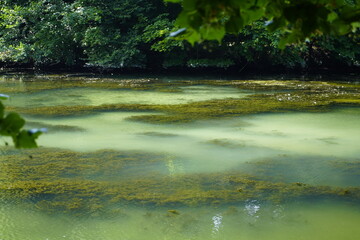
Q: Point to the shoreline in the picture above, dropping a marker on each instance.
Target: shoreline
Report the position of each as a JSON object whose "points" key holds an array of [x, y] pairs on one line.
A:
{"points": [[350, 74]]}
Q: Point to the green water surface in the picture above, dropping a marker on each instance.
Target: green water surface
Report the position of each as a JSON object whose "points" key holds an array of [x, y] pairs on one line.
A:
{"points": [[260, 170]]}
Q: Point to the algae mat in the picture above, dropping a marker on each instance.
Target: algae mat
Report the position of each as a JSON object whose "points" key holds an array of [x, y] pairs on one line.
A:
{"points": [[168, 158]]}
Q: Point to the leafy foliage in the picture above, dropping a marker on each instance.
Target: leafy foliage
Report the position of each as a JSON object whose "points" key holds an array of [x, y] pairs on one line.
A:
{"points": [[11, 125], [134, 33], [75, 32], [297, 20]]}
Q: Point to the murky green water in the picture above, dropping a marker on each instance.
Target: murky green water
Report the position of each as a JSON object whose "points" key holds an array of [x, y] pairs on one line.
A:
{"points": [[273, 173]]}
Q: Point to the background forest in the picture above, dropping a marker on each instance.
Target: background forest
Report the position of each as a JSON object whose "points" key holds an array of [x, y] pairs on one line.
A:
{"points": [[135, 34]]}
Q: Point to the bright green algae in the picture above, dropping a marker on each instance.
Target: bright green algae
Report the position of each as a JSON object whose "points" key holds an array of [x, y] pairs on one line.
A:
{"points": [[212, 109], [94, 183], [100, 182], [38, 83], [283, 96]]}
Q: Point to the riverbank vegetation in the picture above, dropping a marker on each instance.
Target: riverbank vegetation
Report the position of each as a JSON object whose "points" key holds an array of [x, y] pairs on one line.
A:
{"points": [[134, 34]]}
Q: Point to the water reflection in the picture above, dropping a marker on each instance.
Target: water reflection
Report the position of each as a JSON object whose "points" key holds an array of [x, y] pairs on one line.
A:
{"points": [[217, 223], [252, 208]]}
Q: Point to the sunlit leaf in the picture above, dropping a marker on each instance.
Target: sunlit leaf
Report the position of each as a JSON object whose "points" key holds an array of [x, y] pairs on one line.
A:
{"points": [[213, 33], [26, 139], [11, 124], [2, 108]]}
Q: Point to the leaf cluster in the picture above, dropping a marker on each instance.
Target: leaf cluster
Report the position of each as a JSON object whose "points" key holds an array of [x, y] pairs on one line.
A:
{"points": [[135, 34], [297, 20], [11, 125]]}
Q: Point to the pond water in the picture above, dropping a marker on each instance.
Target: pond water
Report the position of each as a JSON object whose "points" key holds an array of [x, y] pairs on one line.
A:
{"points": [[159, 158]]}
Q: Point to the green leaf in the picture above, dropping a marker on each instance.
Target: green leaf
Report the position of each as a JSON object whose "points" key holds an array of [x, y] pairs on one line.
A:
{"points": [[192, 36], [195, 20], [2, 108], [182, 19], [276, 23], [235, 24], [255, 13], [11, 124], [213, 32], [332, 16], [341, 27], [355, 25], [291, 14], [189, 5], [26, 139], [293, 37], [274, 9]]}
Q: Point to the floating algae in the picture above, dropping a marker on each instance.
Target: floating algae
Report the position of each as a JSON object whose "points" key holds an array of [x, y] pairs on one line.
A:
{"points": [[239, 175], [91, 183], [158, 134], [348, 167], [282, 96], [226, 143], [211, 109], [54, 128]]}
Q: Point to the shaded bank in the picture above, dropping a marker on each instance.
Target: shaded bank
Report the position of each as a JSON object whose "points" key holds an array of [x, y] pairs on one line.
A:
{"points": [[240, 71]]}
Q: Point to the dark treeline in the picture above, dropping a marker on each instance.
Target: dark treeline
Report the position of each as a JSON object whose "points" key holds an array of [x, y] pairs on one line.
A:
{"points": [[128, 34]]}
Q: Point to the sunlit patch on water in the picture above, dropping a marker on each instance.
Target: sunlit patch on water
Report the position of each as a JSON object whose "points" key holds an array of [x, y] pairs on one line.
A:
{"points": [[217, 221], [252, 207], [88, 96]]}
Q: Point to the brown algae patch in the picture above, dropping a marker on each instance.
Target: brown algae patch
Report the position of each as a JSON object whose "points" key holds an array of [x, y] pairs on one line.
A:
{"points": [[226, 143], [93, 183], [158, 134]]}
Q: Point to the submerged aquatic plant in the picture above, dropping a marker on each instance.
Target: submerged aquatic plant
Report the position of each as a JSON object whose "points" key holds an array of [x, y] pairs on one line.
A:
{"points": [[99, 182]]}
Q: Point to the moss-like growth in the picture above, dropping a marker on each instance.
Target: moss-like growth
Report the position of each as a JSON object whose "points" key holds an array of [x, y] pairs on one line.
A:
{"points": [[37, 83], [158, 134], [259, 103], [283, 96], [54, 128], [348, 167], [92, 183], [226, 143], [211, 109]]}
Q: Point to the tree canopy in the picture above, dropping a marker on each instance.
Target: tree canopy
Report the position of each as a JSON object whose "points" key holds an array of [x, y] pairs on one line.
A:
{"points": [[296, 19], [135, 34]]}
